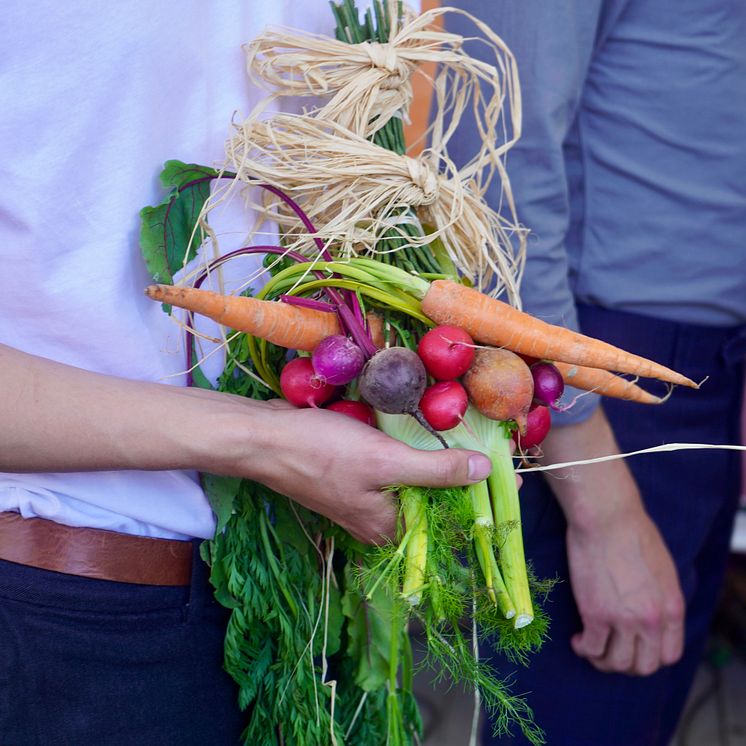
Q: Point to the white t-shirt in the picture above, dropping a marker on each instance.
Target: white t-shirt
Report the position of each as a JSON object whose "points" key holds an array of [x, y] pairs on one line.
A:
{"points": [[96, 96]]}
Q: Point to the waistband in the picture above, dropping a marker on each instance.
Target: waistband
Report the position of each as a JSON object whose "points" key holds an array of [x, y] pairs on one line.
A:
{"points": [[94, 553]]}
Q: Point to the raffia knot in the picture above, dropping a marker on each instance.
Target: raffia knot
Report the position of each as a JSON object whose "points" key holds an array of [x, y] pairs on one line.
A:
{"points": [[356, 192], [385, 57], [425, 178]]}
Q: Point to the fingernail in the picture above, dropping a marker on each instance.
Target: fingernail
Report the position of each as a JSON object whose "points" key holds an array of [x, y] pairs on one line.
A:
{"points": [[479, 468]]}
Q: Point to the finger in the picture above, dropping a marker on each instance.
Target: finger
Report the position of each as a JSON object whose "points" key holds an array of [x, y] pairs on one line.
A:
{"points": [[620, 652], [647, 655], [592, 641], [385, 530], [380, 533], [446, 468], [376, 527], [672, 644]]}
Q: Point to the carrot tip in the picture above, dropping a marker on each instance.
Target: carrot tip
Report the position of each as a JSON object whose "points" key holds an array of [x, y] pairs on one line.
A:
{"points": [[661, 399]]}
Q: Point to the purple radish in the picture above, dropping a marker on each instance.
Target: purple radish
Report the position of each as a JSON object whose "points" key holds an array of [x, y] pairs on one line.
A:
{"points": [[548, 384], [337, 360]]}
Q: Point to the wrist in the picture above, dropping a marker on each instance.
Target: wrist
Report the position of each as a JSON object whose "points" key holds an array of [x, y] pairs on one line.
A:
{"points": [[595, 513], [232, 435]]}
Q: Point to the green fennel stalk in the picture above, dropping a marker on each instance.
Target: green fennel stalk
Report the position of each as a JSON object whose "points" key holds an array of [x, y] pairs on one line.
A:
{"points": [[507, 513], [493, 438], [484, 531]]}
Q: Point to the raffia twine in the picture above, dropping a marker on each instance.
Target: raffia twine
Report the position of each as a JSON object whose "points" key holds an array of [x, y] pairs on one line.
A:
{"points": [[355, 191], [371, 75]]}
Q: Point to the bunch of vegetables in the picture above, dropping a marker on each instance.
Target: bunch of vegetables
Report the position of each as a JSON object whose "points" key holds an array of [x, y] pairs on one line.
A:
{"points": [[383, 359], [318, 638]]}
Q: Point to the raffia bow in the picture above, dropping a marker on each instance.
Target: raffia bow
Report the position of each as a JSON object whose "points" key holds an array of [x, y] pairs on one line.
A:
{"points": [[355, 191], [356, 77], [368, 83]]}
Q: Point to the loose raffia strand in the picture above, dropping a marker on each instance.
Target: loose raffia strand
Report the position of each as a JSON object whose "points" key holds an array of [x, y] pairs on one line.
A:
{"points": [[614, 457]]}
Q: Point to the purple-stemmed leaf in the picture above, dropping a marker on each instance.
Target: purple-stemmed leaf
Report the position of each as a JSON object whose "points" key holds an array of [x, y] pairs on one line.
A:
{"points": [[167, 231]]}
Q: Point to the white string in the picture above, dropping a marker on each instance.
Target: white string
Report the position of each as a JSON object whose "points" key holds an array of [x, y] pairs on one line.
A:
{"points": [[614, 457]]}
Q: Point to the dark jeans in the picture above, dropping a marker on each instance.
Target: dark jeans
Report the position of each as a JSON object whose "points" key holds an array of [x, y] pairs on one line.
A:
{"points": [[96, 663], [691, 495]]}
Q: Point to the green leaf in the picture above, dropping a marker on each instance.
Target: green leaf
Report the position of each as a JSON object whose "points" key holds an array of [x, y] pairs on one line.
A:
{"points": [[369, 632], [335, 621], [168, 238], [221, 493]]}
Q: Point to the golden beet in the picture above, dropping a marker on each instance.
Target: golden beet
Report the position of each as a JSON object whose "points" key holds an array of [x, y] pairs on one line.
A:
{"points": [[500, 385]]}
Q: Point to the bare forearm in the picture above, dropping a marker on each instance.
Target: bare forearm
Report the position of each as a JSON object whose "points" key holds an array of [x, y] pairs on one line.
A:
{"points": [[583, 492], [623, 577], [59, 418]]}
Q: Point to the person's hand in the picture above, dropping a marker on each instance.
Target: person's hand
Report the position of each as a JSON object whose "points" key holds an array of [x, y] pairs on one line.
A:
{"points": [[342, 468], [627, 592], [60, 418], [623, 578]]}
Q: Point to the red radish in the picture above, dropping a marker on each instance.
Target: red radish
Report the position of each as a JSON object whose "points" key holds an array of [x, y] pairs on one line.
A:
{"points": [[447, 352], [443, 404], [337, 359], [548, 383], [356, 409], [301, 386], [538, 424]]}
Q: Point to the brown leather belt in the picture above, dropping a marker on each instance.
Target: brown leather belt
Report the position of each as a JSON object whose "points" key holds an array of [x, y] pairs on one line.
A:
{"points": [[94, 553]]}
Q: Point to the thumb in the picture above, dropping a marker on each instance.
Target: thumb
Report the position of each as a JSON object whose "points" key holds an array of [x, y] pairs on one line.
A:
{"points": [[445, 468]]}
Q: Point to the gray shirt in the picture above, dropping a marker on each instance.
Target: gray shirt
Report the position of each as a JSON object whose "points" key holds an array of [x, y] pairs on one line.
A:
{"points": [[631, 170]]}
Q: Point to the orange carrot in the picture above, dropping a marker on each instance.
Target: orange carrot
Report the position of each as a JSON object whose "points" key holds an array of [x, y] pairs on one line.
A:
{"points": [[608, 384], [283, 324], [493, 322], [375, 329]]}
